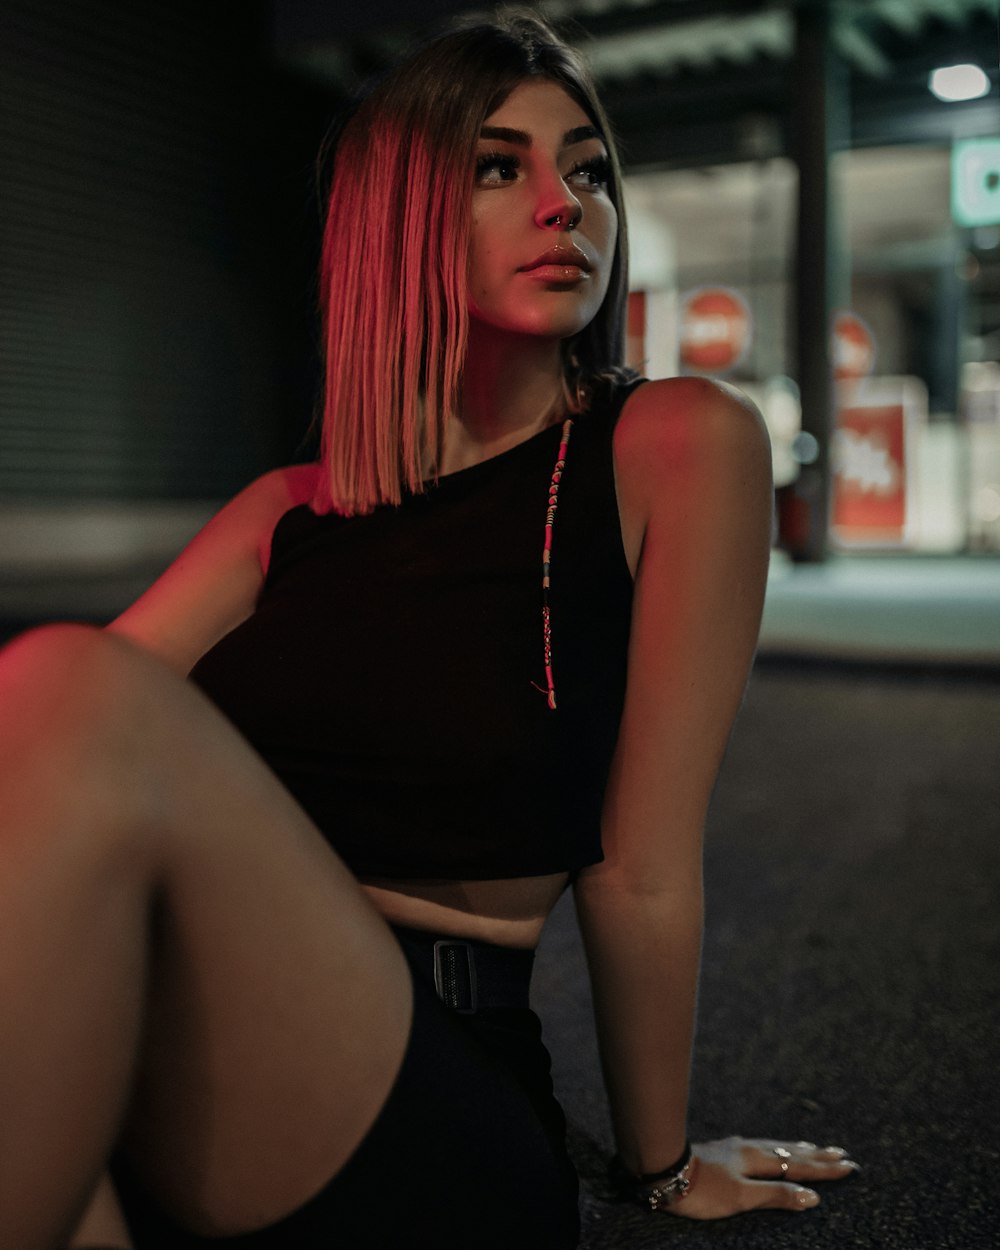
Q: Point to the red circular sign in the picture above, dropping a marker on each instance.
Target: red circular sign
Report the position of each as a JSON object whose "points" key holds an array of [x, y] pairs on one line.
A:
{"points": [[715, 329], [853, 347]]}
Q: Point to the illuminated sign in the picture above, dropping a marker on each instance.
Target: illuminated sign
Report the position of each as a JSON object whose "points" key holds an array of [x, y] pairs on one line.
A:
{"points": [[716, 328], [853, 347], [975, 182], [872, 458]]}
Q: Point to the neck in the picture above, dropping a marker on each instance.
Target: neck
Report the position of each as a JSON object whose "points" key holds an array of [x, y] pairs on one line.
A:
{"points": [[512, 388]]}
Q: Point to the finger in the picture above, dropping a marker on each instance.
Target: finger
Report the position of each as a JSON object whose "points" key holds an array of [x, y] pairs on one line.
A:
{"points": [[823, 1170], [803, 1149], [768, 1196], [792, 1162], [824, 1163], [800, 1149]]}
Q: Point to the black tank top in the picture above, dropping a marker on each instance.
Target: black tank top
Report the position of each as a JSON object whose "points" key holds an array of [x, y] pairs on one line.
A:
{"points": [[392, 675]]}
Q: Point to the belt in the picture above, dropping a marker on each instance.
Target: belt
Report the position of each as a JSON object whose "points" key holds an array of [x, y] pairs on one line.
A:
{"points": [[469, 975]]}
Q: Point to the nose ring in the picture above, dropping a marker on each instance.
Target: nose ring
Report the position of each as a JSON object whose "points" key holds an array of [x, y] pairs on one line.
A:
{"points": [[571, 223]]}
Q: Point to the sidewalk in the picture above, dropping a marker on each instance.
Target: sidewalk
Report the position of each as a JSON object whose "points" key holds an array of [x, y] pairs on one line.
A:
{"points": [[874, 608]]}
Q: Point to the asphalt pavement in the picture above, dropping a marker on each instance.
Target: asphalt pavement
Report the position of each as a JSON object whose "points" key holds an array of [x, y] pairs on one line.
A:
{"points": [[850, 970]]}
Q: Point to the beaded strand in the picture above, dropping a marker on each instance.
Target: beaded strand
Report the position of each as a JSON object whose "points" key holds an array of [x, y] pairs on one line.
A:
{"points": [[550, 519]]}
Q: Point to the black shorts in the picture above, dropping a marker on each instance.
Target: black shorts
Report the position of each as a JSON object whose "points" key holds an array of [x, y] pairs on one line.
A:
{"points": [[468, 1152]]}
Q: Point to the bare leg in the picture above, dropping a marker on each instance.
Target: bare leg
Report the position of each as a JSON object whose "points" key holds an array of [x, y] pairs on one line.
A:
{"points": [[180, 952], [103, 1223]]}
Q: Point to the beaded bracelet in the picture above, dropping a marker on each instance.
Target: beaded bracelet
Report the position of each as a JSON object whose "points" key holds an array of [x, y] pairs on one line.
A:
{"points": [[655, 1190]]}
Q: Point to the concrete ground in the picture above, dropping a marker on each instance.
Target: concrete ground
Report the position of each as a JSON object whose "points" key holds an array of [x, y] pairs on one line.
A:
{"points": [[886, 608], [851, 964]]}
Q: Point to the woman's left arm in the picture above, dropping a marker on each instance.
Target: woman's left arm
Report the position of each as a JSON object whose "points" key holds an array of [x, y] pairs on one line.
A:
{"points": [[693, 472]]}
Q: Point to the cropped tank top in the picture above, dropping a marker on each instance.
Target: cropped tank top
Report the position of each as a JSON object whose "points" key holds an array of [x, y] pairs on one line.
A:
{"points": [[392, 674]]}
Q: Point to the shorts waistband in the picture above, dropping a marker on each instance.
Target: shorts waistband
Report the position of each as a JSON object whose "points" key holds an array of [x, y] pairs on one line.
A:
{"points": [[468, 975]]}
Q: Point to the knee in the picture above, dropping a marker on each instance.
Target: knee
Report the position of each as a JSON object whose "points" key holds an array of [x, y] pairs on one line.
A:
{"points": [[72, 711], [73, 789], [52, 659], [58, 677]]}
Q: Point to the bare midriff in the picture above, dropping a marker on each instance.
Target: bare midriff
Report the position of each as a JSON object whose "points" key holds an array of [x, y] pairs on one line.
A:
{"points": [[509, 912]]}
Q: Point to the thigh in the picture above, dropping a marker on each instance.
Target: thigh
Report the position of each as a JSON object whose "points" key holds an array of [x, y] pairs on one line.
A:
{"points": [[459, 1156], [279, 1010], [275, 1007]]}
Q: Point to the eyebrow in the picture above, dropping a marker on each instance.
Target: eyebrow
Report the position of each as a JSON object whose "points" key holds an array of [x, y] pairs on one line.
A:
{"points": [[522, 139]]}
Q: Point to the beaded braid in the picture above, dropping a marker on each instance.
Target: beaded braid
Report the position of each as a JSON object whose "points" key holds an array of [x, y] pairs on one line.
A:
{"points": [[550, 520]]}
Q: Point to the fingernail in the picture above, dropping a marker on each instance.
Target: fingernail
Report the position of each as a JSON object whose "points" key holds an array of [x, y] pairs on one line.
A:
{"points": [[835, 1150], [849, 1163], [806, 1197], [806, 1145]]}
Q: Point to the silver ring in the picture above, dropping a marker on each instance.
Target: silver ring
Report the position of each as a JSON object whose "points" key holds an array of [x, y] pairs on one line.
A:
{"points": [[783, 1157]]}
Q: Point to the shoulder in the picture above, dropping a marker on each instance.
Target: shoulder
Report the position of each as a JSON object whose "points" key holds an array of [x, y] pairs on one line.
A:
{"points": [[279, 490], [685, 444], [257, 509], [684, 421]]}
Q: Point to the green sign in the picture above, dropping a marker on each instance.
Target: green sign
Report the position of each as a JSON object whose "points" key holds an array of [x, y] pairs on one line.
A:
{"points": [[975, 182]]}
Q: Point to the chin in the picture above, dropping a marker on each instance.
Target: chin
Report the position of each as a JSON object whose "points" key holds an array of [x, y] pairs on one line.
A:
{"points": [[545, 324], [548, 314]]}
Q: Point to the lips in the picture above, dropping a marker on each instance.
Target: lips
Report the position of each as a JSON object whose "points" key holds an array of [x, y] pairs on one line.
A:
{"points": [[562, 256]]}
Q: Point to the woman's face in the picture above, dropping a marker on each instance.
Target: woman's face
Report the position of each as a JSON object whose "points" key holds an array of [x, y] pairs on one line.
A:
{"points": [[543, 226]]}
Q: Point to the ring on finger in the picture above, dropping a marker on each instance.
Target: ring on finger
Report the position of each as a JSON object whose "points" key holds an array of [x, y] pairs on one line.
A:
{"points": [[783, 1157]]}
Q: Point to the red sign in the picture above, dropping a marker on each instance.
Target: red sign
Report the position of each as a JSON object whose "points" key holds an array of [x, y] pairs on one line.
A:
{"points": [[716, 326], [869, 500], [853, 347], [635, 334]]}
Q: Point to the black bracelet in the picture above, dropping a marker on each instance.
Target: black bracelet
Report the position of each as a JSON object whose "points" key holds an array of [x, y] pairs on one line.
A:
{"points": [[654, 1190], [675, 1169]]}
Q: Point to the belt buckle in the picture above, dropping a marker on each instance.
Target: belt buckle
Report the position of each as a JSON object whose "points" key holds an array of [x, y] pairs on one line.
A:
{"points": [[455, 976]]}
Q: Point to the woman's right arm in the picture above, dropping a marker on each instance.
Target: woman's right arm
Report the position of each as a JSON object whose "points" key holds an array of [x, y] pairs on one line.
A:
{"points": [[213, 584]]}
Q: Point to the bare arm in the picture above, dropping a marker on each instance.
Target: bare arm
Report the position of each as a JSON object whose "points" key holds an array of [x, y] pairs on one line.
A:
{"points": [[693, 472], [213, 584], [694, 488]]}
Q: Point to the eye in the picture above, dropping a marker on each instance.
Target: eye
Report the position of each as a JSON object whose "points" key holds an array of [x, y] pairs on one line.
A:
{"points": [[496, 169], [593, 174]]}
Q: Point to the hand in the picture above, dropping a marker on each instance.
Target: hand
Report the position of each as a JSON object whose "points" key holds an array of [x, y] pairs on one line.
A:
{"points": [[747, 1174]]}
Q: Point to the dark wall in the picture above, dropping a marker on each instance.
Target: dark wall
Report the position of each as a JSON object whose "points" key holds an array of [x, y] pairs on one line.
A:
{"points": [[152, 312]]}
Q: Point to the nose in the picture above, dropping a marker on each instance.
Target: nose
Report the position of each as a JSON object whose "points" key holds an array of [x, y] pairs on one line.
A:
{"points": [[567, 221], [560, 211]]}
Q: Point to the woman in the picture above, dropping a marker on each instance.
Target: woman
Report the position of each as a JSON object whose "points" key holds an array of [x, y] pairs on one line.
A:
{"points": [[233, 1010]]}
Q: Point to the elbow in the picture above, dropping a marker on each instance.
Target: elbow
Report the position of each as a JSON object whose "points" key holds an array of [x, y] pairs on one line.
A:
{"points": [[617, 883]]}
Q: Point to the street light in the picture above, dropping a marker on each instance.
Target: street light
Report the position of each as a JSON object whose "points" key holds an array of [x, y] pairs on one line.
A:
{"points": [[958, 82]]}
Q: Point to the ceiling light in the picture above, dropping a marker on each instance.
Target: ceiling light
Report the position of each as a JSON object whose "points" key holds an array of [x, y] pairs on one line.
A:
{"points": [[959, 82]]}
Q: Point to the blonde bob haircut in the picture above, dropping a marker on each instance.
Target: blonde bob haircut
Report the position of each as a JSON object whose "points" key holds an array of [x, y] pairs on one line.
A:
{"points": [[395, 256]]}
